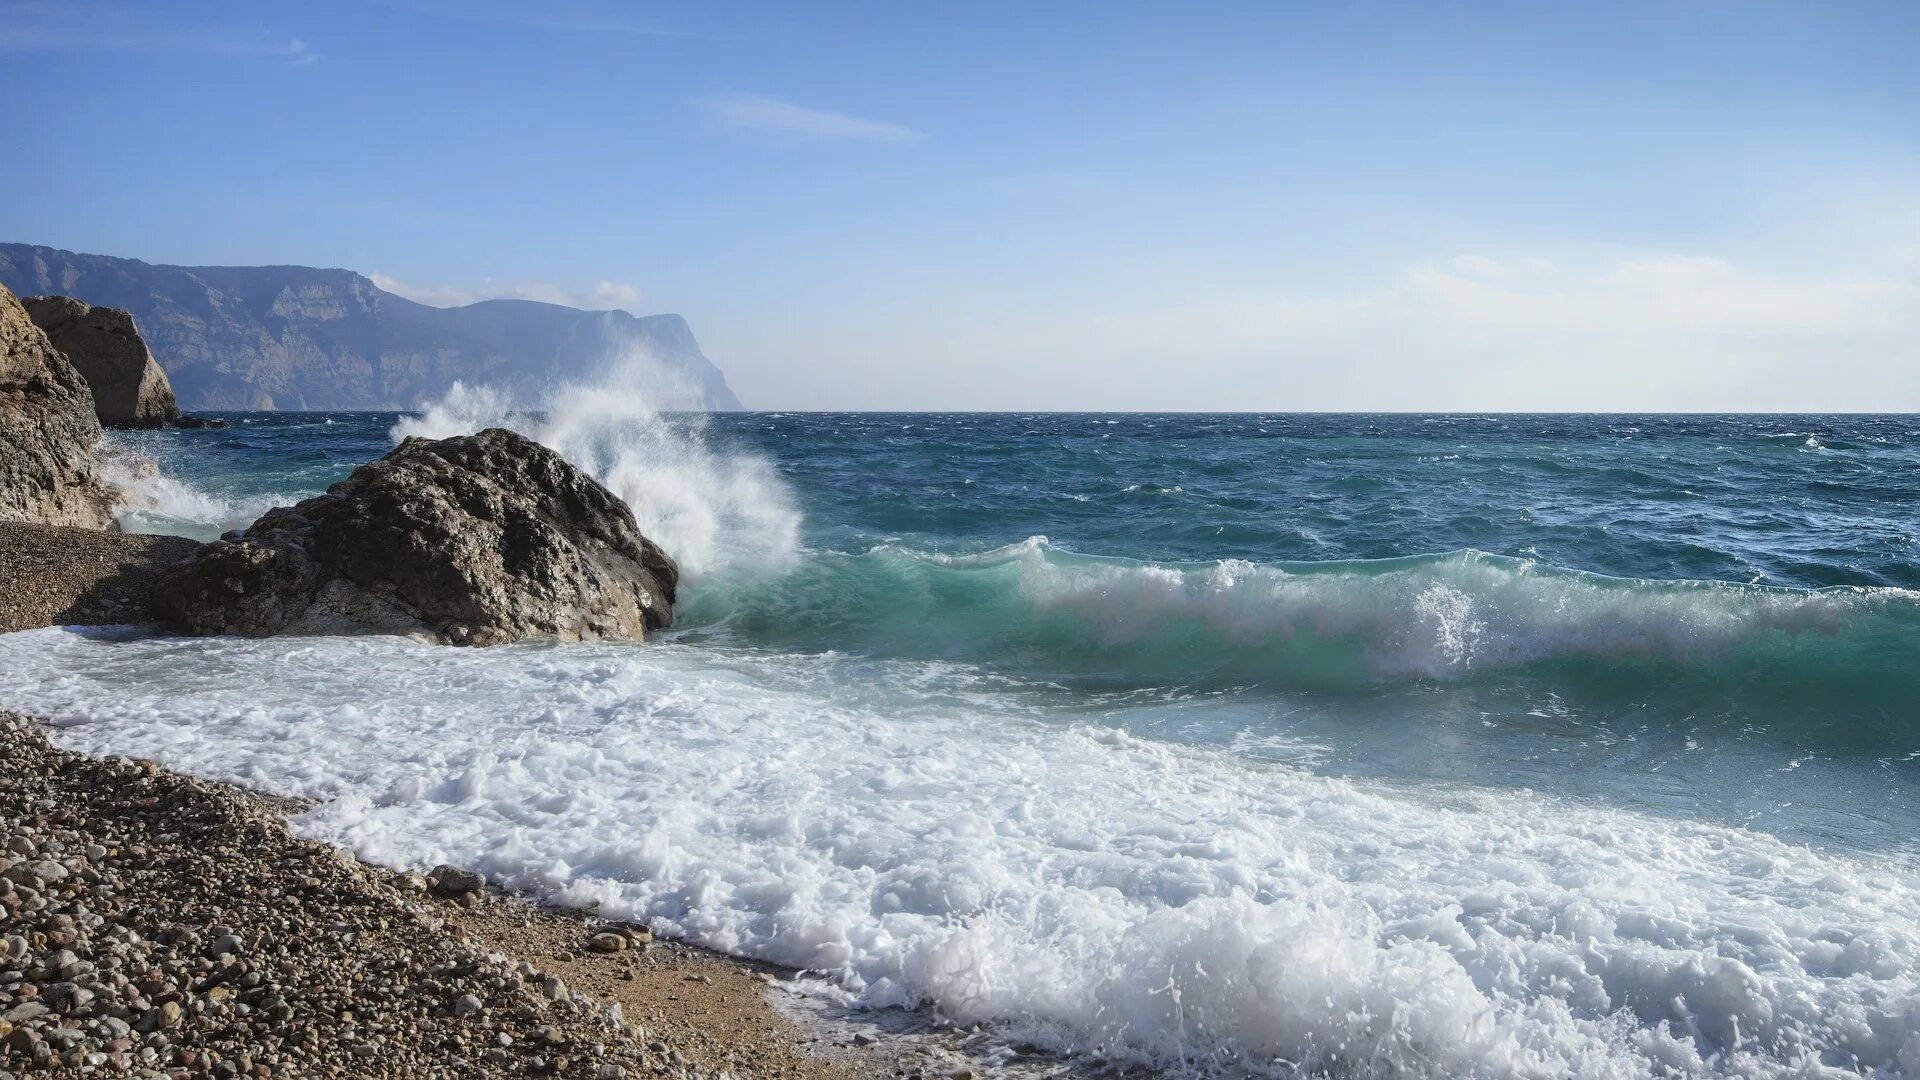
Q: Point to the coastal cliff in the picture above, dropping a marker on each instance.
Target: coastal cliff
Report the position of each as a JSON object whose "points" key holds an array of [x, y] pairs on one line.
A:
{"points": [[47, 431], [298, 337], [102, 344]]}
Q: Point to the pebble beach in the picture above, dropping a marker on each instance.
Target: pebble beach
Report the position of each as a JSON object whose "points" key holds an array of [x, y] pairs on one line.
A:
{"points": [[155, 925]]}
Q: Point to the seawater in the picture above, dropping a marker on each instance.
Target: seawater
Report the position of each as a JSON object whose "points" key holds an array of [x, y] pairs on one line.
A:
{"points": [[1287, 744]]}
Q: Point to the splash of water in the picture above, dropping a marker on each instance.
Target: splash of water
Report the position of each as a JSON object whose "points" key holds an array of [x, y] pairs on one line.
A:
{"points": [[716, 510], [150, 500]]}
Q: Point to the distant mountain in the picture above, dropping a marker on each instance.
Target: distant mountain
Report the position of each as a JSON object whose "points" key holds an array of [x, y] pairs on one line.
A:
{"points": [[295, 337]]}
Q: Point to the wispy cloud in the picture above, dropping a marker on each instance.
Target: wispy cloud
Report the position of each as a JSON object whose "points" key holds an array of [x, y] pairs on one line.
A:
{"points": [[555, 18], [759, 112], [92, 27], [602, 296]]}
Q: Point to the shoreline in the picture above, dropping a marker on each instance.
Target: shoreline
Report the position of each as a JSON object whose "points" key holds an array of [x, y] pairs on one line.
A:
{"points": [[157, 925]]}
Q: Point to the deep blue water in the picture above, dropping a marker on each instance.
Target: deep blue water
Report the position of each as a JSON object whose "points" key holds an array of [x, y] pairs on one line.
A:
{"points": [[1798, 501]]}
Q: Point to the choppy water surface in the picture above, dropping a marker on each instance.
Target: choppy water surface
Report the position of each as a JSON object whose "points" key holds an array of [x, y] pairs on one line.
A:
{"points": [[1386, 745]]}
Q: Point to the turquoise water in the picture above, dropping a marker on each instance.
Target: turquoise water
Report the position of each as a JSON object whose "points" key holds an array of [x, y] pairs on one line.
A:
{"points": [[1275, 745], [1693, 615]]}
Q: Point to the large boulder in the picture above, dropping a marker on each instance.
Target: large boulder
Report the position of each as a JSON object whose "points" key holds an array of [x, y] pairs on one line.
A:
{"points": [[129, 389], [47, 431], [475, 540]]}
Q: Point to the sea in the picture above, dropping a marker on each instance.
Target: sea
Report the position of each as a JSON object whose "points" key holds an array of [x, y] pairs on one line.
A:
{"points": [[1249, 744]]}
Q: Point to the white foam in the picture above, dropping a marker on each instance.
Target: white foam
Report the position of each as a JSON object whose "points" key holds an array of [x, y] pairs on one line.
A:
{"points": [[150, 501], [711, 509], [923, 833]]}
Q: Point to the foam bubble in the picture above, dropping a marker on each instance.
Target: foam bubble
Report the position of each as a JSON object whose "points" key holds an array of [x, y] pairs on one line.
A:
{"points": [[923, 833]]}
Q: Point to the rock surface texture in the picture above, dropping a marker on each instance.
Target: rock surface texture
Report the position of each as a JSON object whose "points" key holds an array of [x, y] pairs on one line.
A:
{"points": [[47, 431], [475, 540], [102, 344]]}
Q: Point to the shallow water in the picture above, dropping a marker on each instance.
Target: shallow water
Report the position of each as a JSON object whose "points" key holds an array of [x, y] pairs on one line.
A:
{"points": [[1382, 744]]}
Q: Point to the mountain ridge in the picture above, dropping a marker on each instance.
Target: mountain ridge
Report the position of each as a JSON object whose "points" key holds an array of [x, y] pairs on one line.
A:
{"points": [[300, 337]]}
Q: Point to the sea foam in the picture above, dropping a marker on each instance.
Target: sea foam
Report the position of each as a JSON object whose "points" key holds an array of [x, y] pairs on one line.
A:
{"points": [[923, 833]]}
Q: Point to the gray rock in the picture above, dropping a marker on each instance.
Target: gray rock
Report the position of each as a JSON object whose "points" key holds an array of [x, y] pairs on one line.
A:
{"points": [[453, 881], [47, 431], [129, 389], [607, 943], [475, 540], [25, 1011]]}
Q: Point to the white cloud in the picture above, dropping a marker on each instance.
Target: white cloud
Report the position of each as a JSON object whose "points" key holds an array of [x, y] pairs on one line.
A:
{"points": [[1483, 266], [1652, 332], [602, 296], [758, 112], [1668, 332]]}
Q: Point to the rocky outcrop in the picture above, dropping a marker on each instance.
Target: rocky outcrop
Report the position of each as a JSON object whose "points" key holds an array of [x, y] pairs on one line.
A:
{"points": [[475, 540], [129, 389], [47, 431]]}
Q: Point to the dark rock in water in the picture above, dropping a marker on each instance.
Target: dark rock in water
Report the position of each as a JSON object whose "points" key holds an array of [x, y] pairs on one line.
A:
{"points": [[475, 540], [129, 389], [47, 431], [185, 421]]}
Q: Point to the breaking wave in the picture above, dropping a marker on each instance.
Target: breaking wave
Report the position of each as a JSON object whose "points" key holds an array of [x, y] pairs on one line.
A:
{"points": [[1462, 615], [715, 510]]}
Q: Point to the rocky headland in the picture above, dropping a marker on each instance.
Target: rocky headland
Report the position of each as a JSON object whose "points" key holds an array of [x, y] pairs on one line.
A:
{"points": [[129, 389], [302, 337], [48, 431]]}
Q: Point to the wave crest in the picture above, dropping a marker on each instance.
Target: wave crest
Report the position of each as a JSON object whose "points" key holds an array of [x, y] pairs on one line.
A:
{"points": [[1428, 617]]}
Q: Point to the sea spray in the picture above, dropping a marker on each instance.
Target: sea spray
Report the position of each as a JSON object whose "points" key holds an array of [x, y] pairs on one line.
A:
{"points": [[152, 499], [712, 509]]}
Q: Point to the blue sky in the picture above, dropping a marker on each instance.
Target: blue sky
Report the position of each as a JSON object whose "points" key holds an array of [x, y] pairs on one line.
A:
{"points": [[1267, 206]]}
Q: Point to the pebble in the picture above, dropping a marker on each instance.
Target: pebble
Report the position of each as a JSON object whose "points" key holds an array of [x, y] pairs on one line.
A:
{"points": [[607, 943], [157, 926]]}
